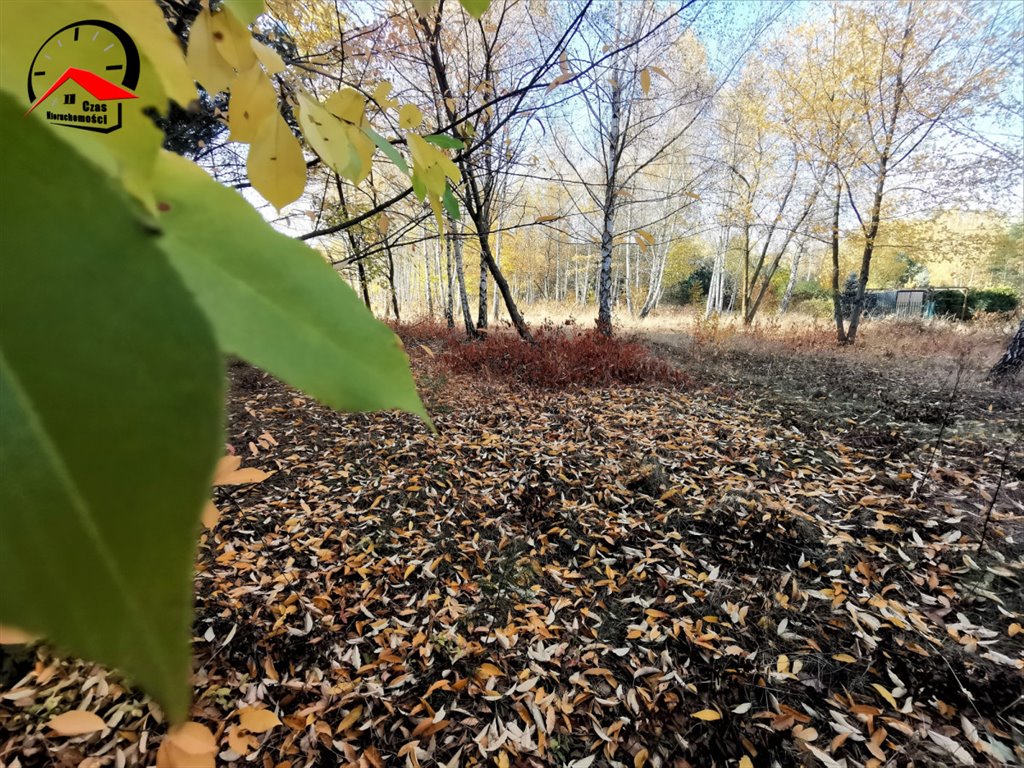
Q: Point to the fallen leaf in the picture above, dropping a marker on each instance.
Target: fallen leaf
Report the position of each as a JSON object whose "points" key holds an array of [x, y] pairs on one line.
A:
{"points": [[189, 745], [15, 636], [707, 714], [886, 695], [257, 720], [76, 722]]}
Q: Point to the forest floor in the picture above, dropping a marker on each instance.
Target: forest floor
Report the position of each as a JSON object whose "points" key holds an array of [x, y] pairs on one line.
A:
{"points": [[775, 560]]}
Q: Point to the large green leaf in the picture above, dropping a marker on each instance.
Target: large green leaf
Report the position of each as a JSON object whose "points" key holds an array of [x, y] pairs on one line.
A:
{"points": [[476, 8], [444, 141], [110, 414], [274, 301]]}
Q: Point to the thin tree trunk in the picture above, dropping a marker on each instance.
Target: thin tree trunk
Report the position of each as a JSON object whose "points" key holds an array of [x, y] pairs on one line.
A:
{"points": [[746, 271], [497, 260], [481, 316], [876, 202], [364, 284], [837, 305], [794, 269], [629, 287], [449, 304], [467, 316], [427, 282]]}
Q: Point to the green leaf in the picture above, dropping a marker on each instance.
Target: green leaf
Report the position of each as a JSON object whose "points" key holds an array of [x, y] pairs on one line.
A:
{"points": [[451, 204], [476, 8], [246, 11], [444, 141], [388, 149], [276, 302], [110, 410]]}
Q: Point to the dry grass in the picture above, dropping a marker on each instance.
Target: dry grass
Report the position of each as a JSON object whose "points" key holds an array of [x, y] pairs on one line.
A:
{"points": [[929, 343]]}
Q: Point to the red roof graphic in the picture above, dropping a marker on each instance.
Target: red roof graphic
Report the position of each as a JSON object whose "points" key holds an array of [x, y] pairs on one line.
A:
{"points": [[98, 87]]}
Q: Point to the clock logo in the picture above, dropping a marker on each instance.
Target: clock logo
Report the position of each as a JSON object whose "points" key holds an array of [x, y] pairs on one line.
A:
{"points": [[82, 74]]}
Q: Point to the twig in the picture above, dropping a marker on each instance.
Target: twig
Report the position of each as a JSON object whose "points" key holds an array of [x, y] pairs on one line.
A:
{"points": [[995, 494], [942, 428]]}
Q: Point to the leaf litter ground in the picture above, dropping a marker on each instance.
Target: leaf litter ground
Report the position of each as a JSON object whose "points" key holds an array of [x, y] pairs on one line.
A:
{"points": [[662, 575]]}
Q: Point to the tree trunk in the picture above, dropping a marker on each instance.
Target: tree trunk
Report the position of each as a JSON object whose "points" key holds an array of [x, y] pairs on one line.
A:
{"points": [[791, 285], [628, 248], [427, 282], [604, 284], [497, 260], [449, 304], [604, 274], [364, 284], [481, 315], [876, 202], [391, 280], [460, 272], [745, 296], [1012, 360], [655, 282], [837, 306]]}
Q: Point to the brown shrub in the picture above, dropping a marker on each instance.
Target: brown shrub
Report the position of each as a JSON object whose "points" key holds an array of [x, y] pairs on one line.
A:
{"points": [[561, 357]]}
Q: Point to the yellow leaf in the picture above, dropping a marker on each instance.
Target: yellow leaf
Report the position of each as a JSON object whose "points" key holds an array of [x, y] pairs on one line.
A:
{"points": [[275, 163], [549, 217], [488, 670], [226, 466], [269, 58], [502, 759], [360, 155], [146, 25], [746, 762], [640, 758], [409, 116], [253, 102], [240, 741], [804, 734], [380, 95], [15, 636], [707, 714], [257, 720], [243, 476], [210, 515], [325, 133], [232, 40], [189, 745], [782, 664], [423, 7], [845, 658], [204, 60], [349, 105], [76, 722], [1014, 629], [349, 720], [645, 81], [886, 695], [383, 222]]}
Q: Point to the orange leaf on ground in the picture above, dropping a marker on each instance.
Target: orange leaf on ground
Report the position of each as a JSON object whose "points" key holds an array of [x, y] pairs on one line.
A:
{"points": [[76, 722]]}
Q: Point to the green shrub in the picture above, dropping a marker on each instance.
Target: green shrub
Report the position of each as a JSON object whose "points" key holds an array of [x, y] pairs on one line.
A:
{"points": [[949, 303], [820, 307], [806, 290], [1002, 299]]}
